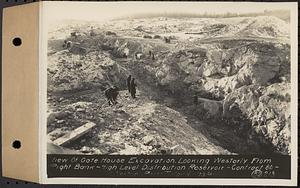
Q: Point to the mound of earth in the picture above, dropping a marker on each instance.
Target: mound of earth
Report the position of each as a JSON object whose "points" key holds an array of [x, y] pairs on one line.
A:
{"points": [[68, 71]]}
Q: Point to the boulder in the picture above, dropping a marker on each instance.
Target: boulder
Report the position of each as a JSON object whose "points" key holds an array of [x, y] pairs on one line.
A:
{"points": [[57, 116], [77, 49], [148, 139]]}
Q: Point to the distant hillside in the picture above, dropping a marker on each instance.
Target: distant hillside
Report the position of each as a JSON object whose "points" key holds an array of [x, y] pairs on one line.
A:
{"points": [[282, 14]]}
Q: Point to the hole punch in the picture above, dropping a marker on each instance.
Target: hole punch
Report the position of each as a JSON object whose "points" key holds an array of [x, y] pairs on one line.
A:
{"points": [[17, 41], [16, 144]]}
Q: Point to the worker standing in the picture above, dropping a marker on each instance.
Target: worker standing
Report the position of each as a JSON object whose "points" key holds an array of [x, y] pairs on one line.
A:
{"points": [[128, 83], [133, 88]]}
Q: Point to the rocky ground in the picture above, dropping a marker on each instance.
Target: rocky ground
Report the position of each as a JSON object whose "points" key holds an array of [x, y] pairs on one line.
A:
{"points": [[238, 68]]}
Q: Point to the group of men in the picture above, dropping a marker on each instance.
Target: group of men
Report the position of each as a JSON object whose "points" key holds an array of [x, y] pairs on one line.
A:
{"points": [[151, 55], [67, 44], [112, 93], [140, 55]]}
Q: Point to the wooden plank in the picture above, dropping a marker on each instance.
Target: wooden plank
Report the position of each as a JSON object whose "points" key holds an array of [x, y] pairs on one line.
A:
{"points": [[73, 135]]}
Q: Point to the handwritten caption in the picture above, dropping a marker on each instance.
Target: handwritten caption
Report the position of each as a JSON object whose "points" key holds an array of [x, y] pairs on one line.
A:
{"points": [[170, 166]]}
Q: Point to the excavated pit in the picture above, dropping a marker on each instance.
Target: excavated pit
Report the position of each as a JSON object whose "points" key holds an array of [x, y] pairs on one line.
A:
{"points": [[165, 118], [214, 128]]}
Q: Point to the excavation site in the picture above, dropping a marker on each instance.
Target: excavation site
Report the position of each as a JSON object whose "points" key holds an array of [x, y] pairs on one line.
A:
{"points": [[166, 85]]}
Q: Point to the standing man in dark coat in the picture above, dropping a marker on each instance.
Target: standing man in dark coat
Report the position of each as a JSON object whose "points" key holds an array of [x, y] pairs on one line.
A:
{"points": [[128, 83], [132, 88], [195, 99]]}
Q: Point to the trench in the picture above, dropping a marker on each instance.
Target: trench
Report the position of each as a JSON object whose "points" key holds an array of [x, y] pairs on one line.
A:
{"points": [[218, 131]]}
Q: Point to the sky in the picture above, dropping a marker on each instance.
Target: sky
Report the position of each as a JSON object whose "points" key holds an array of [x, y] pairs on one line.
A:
{"points": [[103, 11]]}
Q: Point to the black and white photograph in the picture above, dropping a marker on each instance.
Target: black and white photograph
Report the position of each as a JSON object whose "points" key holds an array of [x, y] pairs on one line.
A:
{"points": [[185, 80]]}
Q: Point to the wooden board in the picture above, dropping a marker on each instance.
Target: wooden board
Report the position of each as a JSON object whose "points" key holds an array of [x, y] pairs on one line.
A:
{"points": [[73, 135]]}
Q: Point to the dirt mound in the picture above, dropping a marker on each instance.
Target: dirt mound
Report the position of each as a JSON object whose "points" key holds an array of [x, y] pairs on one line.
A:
{"points": [[67, 72], [261, 26], [266, 26]]}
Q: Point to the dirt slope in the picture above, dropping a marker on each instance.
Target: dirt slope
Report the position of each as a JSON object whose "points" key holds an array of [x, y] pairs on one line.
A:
{"points": [[133, 126]]}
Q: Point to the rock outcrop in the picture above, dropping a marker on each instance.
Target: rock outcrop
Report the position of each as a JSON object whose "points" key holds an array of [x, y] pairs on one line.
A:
{"points": [[267, 110]]}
